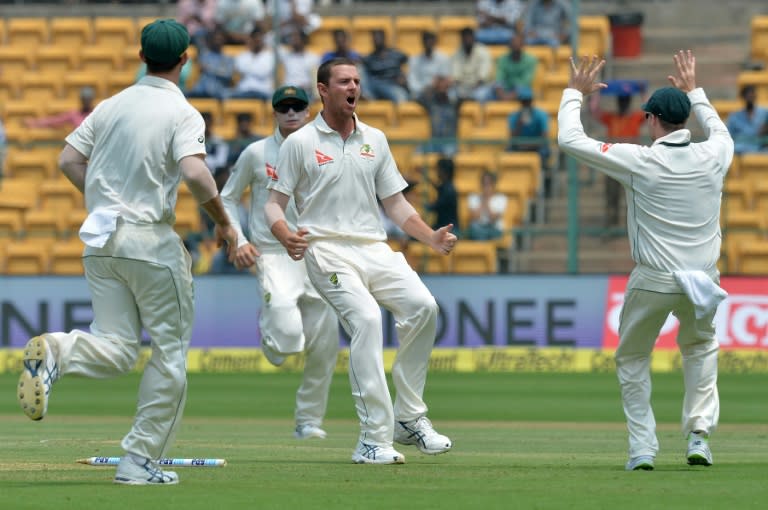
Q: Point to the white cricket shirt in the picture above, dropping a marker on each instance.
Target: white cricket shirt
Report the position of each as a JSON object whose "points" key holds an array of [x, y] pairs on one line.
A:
{"points": [[335, 182], [134, 141], [256, 168]]}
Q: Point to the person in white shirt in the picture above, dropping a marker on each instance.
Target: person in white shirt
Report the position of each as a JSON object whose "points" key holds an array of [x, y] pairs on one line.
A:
{"points": [[335, 168], [299, 64], [292, 15], [486, 210], [256, 67], [128, 158], [294, 318], [425, 68], [673, 192]]}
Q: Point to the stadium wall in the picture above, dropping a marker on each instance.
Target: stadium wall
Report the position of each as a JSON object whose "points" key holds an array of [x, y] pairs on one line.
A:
{"points": [[557, 323]]}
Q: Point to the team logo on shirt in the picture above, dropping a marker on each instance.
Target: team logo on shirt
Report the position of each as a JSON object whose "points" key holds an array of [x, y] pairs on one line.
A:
{"points": [[605, 146], [334, 279], [200, 139], [322, 159], [271, 172], [267, 297], [366, 151]]}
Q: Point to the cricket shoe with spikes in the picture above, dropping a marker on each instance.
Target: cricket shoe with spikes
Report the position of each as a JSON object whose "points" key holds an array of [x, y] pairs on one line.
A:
{"points": [[420, 433], [135, 470], [39, 374], [374, 454]]}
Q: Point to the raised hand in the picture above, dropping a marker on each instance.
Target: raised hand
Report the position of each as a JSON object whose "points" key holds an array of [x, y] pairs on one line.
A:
{"points": [[443, 239], [686, 71], [584, 75]]}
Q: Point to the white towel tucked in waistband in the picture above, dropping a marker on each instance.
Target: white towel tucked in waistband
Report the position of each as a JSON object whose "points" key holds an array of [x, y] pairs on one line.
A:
{"points": [[98, 227], [701, 290]]}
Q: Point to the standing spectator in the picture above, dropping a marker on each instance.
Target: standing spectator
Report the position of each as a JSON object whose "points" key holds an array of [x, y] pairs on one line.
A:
{"points": [[71, 118], [216, 69], [299, 64], [244, 136], [446, 204], [256, 67], [514, 70], [472, 68], [127, 158], [199, 16], [291, 16], [335, 168], [548, 22], [486, 210], [442, 105], [674, 188], [423, 68], [384, 70], [238, 18], [498, 20], [748, 125]]}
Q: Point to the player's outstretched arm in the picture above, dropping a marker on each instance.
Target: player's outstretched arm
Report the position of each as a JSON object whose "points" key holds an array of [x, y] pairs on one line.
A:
{"points": [[405, 216]]}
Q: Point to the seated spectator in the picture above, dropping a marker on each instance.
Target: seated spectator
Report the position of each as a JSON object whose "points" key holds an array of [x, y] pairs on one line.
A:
{"points": [[548, 22], [299, 64], [72, 118], [199, 16], [486, 210], [237, 18], [423, 68], [529, 130], [216, 68], [446, 204], [256, 67], [242, 139], [514, 70], [498, 20], [291, 16], [749, 126], [472, 68], [384, 71], [341, 48], [442, 106]]}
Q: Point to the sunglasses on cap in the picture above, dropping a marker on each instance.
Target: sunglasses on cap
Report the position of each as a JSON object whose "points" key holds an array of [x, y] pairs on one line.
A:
{"points": [[296, 107]]}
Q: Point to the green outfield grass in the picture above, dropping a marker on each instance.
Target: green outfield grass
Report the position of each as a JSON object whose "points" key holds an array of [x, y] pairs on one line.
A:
{"points": [[521, 441]]}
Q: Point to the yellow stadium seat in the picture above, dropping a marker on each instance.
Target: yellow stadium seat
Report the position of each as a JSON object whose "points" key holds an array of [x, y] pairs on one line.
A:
{"points": [[67, 257], [469, 168], [740, 227], [738, 194], [758, 39], [449, 31], [516, 168], [18, 194], [101, 59], [408, 31], [9, 87], [72, 83], [552, 85], [43, 222], [60, 195], [71, 32], [470, 118], [15, 112], [41, 87], [362, 26], [497, 113], [753, 257], [321, 40], [725, 107], [377, 113], [232, 107], [424, 259], [16, 59], [115, 32], [57, 59], [544, 54], [423, 166], [11, 224], [753, 166], [474, 257], [757, 78], [3, 30], [132, 61], [412, 116], [31, 164], [27, 32], [594, 35], [206, 104], [759, 191], [28, 256]]}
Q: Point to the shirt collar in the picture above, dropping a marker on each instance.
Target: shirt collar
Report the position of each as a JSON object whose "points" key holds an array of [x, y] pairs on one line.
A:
{"points": [[321, 125], [279, 138], [675, 138], [162, 83]]}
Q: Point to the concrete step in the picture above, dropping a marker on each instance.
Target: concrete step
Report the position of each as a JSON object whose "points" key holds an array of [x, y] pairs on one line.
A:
{"points": [[589, 261]]}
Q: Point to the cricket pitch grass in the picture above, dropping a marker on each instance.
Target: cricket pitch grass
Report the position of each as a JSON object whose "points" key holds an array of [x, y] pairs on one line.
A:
{"points": [[521, 441]]}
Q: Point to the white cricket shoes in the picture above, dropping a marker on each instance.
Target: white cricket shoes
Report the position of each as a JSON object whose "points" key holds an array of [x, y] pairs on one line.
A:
{"points": [[309, 431], [134, 470], [698, 453], [39, 374], [640, 463], [374, 454], [420, 433]]}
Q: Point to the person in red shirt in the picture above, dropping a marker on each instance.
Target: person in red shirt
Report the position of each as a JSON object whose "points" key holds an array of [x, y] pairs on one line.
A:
{"points": [[72, 118]]}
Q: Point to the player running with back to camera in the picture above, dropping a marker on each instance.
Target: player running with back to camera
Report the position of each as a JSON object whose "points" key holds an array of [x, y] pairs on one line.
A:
{"points": [[335, 167], [294, 318], [673, 192], [128, 158]]}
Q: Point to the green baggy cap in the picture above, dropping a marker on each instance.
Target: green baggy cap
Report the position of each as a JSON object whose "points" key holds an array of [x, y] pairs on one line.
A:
{"points": [[670, 104], [164, 40]]}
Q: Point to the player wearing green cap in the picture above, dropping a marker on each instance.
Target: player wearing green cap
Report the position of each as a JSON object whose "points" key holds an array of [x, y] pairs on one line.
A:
{"points": [[673, 192], [128, 158], [294, 318]]}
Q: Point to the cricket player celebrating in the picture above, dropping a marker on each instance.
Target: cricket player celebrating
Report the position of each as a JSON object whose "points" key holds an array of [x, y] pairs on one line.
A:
{"points": [[673, 213], [294, 318], [128, 158], [335, 167]]}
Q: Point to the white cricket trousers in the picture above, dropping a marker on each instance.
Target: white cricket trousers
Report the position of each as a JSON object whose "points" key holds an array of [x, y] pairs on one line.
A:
{"points": [[642, 317], [129, 294], [294, 318], [358, 278]]}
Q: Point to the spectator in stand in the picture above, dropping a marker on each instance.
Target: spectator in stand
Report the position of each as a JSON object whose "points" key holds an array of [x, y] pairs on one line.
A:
{"points": [[446, 204], [423, 69], [242, 139], [72, 118], [529, 132], [216, 151], [472, 68], [514, 70], [292, 15], [384, 71], [749, 126], [548, 22], [442, 105], [299, 64], [238, 18], [216, 69], [486, 210], [498, 20], [256, 67], [341, 48], [199, 16]]}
